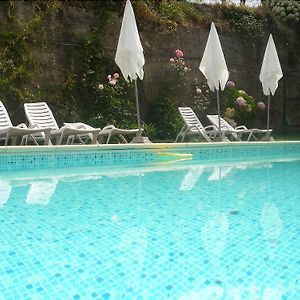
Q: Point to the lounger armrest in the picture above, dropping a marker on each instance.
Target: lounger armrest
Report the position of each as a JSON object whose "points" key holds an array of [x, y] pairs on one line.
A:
{"points": [[241, 127], [210, 127], [79, 125], [35, 126], [22, 125], [109, 127]]}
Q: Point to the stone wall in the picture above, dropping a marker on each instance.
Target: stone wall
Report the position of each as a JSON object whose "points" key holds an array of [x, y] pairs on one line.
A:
{"points": [[66, 29]]}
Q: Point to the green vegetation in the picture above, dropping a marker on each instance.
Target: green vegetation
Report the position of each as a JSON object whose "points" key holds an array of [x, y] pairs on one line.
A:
{"points": [[83, 90], [288, 10]]}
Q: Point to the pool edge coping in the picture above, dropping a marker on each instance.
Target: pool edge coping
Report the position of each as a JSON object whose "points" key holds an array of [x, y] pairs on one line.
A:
{"points": [[156, 146]]}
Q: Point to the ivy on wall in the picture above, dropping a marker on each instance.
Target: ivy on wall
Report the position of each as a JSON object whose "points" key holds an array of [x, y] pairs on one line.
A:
{"points": [[87, 65]]}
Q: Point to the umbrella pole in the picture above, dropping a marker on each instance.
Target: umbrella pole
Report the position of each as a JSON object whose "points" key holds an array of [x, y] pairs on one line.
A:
{"points": [[268, 116], [219, 115], [137, 106]]}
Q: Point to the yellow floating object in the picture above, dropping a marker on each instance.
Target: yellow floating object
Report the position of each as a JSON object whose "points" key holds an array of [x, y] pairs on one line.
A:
{"points": [[175, 154]]}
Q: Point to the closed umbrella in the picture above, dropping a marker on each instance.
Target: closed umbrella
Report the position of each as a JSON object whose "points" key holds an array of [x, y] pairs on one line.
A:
{"points": [[213, 65], [270, 73], [130, 54]]}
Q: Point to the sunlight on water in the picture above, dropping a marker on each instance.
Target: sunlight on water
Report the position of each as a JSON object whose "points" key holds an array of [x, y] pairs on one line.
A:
{"points": [[177, 231]]}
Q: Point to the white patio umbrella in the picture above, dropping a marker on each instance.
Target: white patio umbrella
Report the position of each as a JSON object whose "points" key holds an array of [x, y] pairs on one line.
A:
{"points": [[270, 73], [213, 65], [130, 54]]}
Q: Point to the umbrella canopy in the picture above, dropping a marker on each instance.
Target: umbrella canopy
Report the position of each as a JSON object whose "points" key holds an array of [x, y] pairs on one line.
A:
{"points": [[270, 72], [130, 54], [213, 65]]}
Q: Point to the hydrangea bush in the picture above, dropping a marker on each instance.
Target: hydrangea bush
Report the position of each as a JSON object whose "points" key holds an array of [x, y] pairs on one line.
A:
{"points": [[239, 108]]}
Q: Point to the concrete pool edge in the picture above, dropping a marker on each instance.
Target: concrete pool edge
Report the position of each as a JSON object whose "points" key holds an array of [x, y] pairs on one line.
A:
{"points": [[126, 147]]}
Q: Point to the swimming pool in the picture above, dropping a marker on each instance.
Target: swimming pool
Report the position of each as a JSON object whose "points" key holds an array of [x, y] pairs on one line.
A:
{"points": [[224, 225]]}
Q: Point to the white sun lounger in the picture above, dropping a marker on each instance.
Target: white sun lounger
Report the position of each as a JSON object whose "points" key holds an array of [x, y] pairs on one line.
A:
{"points": [[193, 126], [238, 131], [108, 131], [39, 115], [9, 132]]}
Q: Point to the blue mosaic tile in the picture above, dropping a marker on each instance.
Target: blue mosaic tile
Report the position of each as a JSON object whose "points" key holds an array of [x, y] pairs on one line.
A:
{"points": [[201, 231]]}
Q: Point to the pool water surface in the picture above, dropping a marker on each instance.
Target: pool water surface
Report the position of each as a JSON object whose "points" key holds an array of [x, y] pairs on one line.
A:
{"points": [[173, 231]]}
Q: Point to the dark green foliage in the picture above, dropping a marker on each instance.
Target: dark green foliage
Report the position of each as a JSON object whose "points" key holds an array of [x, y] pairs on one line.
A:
{"points": [[287, 11], [244, 21], [112, 104], [165, 119]]}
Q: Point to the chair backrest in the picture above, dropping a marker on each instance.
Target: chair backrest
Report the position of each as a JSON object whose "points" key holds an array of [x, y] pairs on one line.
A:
{"points": [[190, 119], [214, 119], [39, 114], [4, 117], [192, 122]]}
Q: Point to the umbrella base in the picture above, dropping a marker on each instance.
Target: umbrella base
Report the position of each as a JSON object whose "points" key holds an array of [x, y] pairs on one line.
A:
{"points": [[140, 140], [220, 139], [267, 138]]}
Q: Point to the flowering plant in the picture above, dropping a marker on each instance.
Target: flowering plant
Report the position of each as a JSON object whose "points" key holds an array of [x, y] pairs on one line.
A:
{"points": [[113, 106], [239, 107], [199, 91]]}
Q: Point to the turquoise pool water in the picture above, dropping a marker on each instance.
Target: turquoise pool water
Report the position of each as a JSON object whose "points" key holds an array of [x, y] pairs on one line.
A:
{"points": [[185, 230]]}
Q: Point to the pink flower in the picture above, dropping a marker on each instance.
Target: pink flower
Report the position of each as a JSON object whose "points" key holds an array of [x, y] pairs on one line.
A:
{"points": [[198, 90], [172, 60], [109, 77], [240, 101], [113, 82], [261, 105], [116, 75], [230, 84], [178, 53], [100, 87]]}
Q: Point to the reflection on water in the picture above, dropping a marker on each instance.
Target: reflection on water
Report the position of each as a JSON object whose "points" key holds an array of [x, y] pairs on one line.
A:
{"points": [[187, 231], [5, 190], [191, 178], [271, 222], [214, 234], [40, 192]]}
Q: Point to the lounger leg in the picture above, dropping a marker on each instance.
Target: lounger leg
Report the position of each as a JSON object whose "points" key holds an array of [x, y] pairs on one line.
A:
{"points": [[101, 139], [46, 141], [24, 140], [123, 138], [180, 133], [59, 139], [6, 140], [94, 138], [108, 138]]}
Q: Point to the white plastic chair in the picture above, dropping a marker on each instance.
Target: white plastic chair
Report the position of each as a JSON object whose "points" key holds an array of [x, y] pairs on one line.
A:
{"points": [[193, 126], [40, 115], [108, 131], [9, 132], [238, 131]]}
